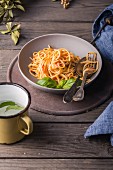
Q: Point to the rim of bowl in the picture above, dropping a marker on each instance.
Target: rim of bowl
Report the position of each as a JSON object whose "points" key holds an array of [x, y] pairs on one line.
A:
{"points": [[54, 34]]}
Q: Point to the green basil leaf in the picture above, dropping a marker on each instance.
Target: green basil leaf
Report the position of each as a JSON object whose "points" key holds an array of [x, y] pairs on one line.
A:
{"points": [[52, 84], [43, 81], [61, 84], [15, 107], [69, 83], [47, 82], [7, 103]]}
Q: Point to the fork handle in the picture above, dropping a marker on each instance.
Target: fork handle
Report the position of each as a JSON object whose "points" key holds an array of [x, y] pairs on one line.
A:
{"points": [[68, 96], [79, 95], [94, 39]]}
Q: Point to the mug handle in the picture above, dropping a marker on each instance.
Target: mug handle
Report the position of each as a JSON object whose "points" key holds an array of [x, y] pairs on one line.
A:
{"points": [[29, 124]]}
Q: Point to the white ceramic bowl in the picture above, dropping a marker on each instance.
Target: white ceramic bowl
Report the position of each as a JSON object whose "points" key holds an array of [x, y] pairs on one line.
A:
{"points": [[73, 44]]}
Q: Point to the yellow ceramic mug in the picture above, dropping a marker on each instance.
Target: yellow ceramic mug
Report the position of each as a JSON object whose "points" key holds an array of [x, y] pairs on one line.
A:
{"points": [[14, 125]]}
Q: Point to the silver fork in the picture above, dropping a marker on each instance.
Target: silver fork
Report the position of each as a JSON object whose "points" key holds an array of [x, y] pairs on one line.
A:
{"points": [[88, 70]]}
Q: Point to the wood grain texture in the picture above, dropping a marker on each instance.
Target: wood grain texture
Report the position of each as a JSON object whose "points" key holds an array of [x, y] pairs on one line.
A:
{"points": [[88, 117], [79, 11], [42, 17], [54, 164], [30, 31], [59, 140]]}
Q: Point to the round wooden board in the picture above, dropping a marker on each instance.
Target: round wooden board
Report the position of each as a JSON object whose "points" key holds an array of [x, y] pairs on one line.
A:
{"points": [[95, 94]]}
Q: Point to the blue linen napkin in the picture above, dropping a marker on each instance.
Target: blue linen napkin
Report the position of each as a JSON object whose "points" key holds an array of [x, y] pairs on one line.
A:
{"points": [[103, 124], [105, 41]]}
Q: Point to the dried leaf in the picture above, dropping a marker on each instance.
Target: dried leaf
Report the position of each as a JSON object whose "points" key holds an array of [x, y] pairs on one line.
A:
{"points": [[2, 14], [1, 18], [10, 13], [17, 33], [20, 7], [8, 25], [18, 1], [6, 14], [11, 6], [1, 9], [14, 38], [6, 6], [15, 27], [5, 32]]}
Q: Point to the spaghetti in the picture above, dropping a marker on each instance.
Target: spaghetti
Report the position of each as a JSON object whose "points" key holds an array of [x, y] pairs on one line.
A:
{"points": [[58, 64]]}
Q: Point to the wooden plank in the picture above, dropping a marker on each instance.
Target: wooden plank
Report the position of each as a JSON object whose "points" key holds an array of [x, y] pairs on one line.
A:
{"points": [[58, 140], [49, 11], [54, 164], [6, 57], [32, 30], [33, 27]]}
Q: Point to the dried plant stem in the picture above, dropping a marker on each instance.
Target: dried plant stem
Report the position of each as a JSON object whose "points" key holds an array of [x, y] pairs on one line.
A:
{"points": [[65, 3]]}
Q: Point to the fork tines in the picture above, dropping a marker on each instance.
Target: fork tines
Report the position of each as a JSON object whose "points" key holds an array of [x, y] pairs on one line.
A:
{"points": [[92, 56], [91, 61]]}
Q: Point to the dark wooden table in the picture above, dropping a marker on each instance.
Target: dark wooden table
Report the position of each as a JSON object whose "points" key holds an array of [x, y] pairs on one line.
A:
{"points": [[56, 142]]}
